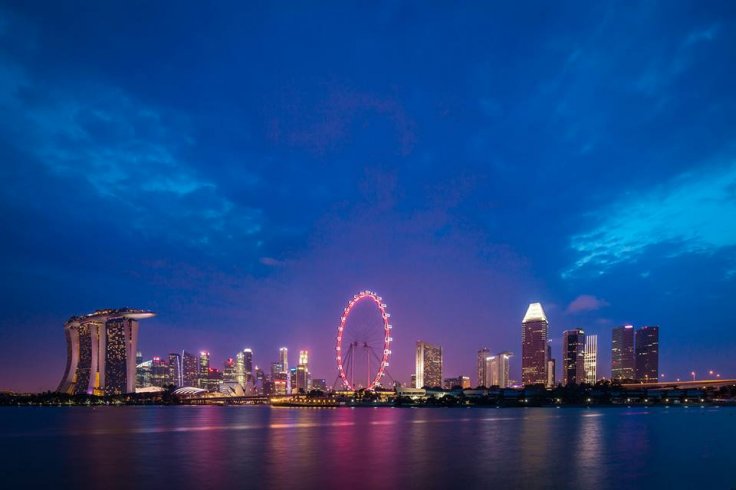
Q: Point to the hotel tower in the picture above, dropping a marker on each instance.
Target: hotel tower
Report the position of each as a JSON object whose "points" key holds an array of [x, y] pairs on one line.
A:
{"points": [[101, 349]]}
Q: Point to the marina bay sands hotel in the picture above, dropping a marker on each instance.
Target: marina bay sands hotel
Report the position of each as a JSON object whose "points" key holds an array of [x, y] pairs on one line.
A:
{"points": [[101, 348]]}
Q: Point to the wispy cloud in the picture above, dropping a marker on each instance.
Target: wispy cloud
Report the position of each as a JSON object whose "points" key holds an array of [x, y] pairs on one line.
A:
{"points": [[694, 213], [128, 152], [586, 302]]}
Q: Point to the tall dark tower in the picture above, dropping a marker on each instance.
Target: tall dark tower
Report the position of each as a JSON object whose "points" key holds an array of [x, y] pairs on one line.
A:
{"points": [[647, 354], [622, 353], [101, 352], [573, 356], [534, 330]]}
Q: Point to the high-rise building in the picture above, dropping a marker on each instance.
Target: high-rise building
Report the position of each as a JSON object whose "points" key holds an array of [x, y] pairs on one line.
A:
{"points": [[573, 356], [101, 352], [413, 382], [159, 372], [534, 331], [647, 354], [228, 371], [481, 367], [590, 359], [284, 361], [302, 372], [550, 367], [175, 369], [188, 369], [203, 371], [260, 380], [498, 369], [428, 365], [240, 368], [248, 365], [622, 353]]}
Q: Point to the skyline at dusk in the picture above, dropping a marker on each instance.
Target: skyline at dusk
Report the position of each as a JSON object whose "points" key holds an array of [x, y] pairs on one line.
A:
{"points": [[243, 172]]}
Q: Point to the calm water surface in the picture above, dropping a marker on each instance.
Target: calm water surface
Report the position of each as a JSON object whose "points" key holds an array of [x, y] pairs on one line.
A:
{"points": [[263, 447]]}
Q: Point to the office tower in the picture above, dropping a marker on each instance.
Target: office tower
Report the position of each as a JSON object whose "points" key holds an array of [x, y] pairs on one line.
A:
{"points": [[428, 365], [302, 379], [550, 367], [573, 356], [481, 367], [203, 370], [248, 362], [622, 353], [647, 354], [240, 368], [214, 379], [450, 383], [228, 371], [101, 352], [498, 369], [534, 329], [413, 383], [590, 359], [188, 369], [284, 360], [260, 380], [291, 385], [159, 372], [143, 374], [138, 358], [464, 382], [302, 372], [175, 370]]}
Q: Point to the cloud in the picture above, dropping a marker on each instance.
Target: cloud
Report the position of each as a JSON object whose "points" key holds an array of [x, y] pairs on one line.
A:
{"points": [[586, 302], [693, 213], [128, 155]]}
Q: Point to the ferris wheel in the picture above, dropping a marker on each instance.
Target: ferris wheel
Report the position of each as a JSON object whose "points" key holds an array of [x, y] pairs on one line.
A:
{"points": [[363, 342]]}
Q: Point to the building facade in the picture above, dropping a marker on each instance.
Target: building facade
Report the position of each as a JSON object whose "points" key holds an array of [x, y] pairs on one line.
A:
{"points": [[101, 352], [188, 369], [428, 365], [534, 332], [573, 356], [498, 370], [647, 354], [590, 360], [481, 379], [622, 354]]}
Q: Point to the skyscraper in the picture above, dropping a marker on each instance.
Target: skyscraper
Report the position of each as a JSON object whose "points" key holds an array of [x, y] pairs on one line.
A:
{"points": [[428, 365], [481, 366], [498, 369], [284, 361], [573, 356], [189, 369], [175, 369], [550, 366], [590, 361], [622, 353], [248, 364], [229, 371], [647, 354], [534, 328], [101, 352], [203, 371], [302, 372]]}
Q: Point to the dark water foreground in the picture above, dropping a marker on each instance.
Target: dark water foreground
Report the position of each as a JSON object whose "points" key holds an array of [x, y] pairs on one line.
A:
{"points": [[263, 447]]}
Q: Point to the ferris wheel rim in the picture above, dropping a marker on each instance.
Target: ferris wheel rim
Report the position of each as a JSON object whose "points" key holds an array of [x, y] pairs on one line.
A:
{"points": [[385, 315]]}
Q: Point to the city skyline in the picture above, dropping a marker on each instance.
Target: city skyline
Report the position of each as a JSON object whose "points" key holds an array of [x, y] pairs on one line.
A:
{"points": [[243, 173]]}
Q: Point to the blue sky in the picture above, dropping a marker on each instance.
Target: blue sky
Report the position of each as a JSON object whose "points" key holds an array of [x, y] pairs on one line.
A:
{"points": [[243, 170]]}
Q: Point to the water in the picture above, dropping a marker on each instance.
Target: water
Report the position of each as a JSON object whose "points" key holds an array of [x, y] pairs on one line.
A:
{"points": [[262, 447]]}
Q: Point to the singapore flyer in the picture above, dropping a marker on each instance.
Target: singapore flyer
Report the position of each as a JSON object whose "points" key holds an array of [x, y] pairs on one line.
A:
{"points": [[363, 342]]}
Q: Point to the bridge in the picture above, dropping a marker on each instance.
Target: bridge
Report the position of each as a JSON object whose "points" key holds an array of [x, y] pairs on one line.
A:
{"points": [[702, 383]]}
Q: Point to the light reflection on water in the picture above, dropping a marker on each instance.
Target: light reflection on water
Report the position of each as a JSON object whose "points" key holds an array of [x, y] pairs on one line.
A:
{"points": [[259, 447]]}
